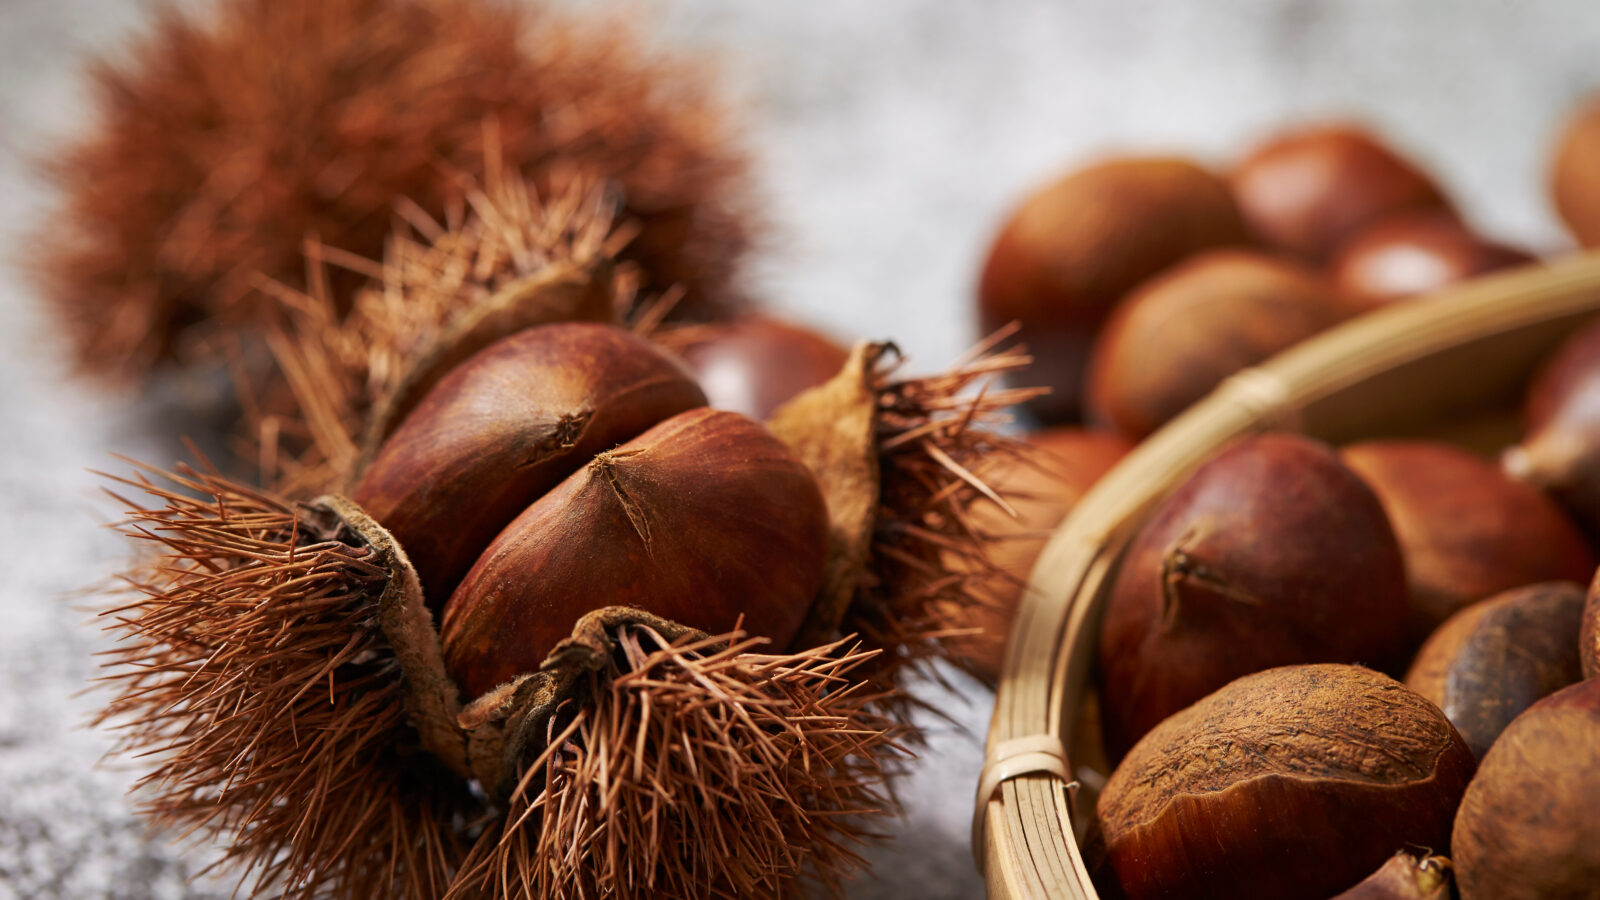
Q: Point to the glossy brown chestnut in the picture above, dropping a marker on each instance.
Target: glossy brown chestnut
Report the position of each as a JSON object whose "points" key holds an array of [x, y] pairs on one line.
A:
{"points": [[1180, 334], [1575, 174], [1589, 632], [757, 363], [1405, 877], [1529, 825], [505, 427], [1307, 191], [1076, 246], [1467, 531], [1272, 553], [1296, 782], [1042, 487], [1561, 450], [1494, 659], [701, 519], [1415, 252]]}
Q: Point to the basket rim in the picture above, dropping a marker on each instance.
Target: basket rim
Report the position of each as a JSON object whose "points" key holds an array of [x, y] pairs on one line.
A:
{"points": [[1022, 839]]}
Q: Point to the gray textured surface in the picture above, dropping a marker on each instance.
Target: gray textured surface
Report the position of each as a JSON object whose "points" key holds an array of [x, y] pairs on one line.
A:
{"points": [[892, 136]]}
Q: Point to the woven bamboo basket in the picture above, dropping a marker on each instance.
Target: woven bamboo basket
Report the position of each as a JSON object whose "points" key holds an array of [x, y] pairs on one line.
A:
{"points": [[1451, 366]]}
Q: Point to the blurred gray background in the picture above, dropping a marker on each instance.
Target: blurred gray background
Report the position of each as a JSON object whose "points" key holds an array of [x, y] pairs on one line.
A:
{"points": [[891, 138]]}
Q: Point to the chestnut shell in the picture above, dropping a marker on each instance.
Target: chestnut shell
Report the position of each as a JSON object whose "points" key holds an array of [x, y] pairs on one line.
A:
{"points": [[505, 427], [1494, 659], [1177, 336], [1297, 781], [1415, 252], [1074, 247], [755, 364], [1529, 824], [1561, 451], [1467, 530], [1575, 174], [1589, 632], [1270, 554], [1308, 190], [702, 519]]}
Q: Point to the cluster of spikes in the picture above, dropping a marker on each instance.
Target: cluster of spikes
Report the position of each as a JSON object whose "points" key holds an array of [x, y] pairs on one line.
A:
{"points": [[791, 739], [931, 566], [337, 367], [224, 139], [252, 665], [249, 662]]}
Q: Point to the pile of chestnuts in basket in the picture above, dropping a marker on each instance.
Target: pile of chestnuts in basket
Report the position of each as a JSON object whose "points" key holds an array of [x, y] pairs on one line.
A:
{"points": [[1354, 671]]}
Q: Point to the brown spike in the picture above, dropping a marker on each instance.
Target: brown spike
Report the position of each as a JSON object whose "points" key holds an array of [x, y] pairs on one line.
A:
{"points": [[251, 667], [698, 768]]}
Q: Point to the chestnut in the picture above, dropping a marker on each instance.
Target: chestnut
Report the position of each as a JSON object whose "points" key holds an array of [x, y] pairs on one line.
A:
{"points": [[1575, 173], [1494, 659], [1297, 781], [1529, 824], [702, 519], [1415, 252], [1589, 632], [1405, 877], [1272, 553], [1467, 530], [755, 364], [505, 427], [1042, 484], [1306, 191], [1560, 452], [1181, 333], [1075, 246]]}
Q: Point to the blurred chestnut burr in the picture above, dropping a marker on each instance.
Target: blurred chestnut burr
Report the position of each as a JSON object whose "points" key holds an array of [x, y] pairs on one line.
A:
{"points": [[1308, 190], [1494, 659], [1075, 246], [1529, 824], [1415, 252], [1042, 482], [756, 363], [1270, 554], [1178, 335], [1575, 173], [1560, 452], [1466, 529], [223, 141], [1297, 781]]}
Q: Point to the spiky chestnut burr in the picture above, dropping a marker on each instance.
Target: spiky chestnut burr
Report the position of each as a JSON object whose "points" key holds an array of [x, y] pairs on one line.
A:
{"points": [[228, 139]]}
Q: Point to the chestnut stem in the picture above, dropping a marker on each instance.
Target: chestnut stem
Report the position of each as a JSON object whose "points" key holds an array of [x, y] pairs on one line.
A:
{"points": [[1179, 564]]}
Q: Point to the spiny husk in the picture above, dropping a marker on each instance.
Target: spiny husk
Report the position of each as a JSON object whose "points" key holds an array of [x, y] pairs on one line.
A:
{"points": [[223, 141], [252, 668], [697, 768], [922, 445], [510, 259], [264, 671]]}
